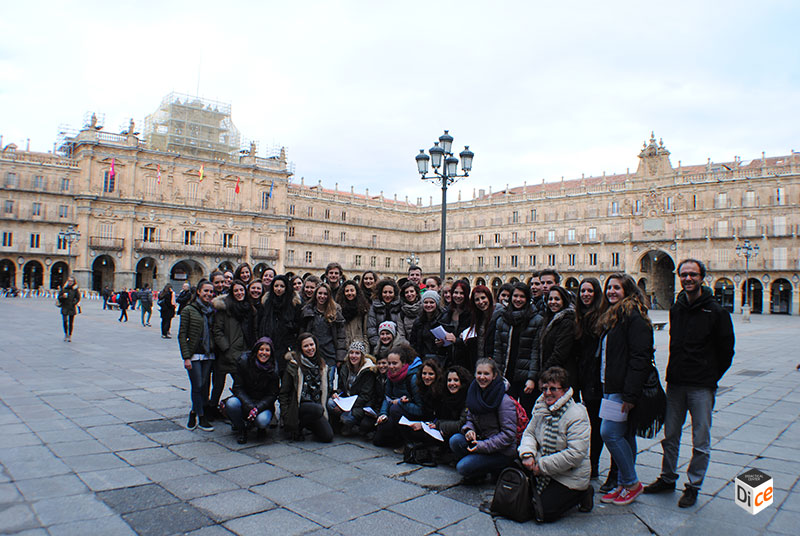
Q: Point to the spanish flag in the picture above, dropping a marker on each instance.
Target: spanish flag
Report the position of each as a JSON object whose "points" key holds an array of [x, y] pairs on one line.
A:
{"points": [[237, 184], [201, 173]]}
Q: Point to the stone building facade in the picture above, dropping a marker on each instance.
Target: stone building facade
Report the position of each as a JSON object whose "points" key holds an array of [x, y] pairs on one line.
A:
{"points": [[166, 215]]}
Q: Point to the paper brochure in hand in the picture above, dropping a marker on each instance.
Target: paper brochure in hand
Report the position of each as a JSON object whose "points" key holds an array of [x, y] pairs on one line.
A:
{"points": [[346, 402], [433, 432], [440, 333], [612, 411]]}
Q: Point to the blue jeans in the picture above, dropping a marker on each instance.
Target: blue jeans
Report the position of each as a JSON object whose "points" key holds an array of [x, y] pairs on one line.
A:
{"points": [[621, 443], [475, 465], [699, 401], [198, 378], [233, 407], [336, 412]]}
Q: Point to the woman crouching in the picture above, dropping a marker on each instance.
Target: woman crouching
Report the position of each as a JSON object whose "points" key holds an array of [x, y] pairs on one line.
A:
{"points": [[355, 377], [255, 388], [555, 448], [304, 390]]}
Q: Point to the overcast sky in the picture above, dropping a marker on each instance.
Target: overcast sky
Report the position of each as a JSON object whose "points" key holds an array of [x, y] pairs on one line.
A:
{"points": [[354, 89]]}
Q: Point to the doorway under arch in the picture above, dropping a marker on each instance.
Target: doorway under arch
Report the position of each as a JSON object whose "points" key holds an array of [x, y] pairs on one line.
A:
{"points": [[755, 295], [496, 282], [480, 281], [226, 266], [660, 278], [571, 284], [8, 274], [258, 270], [187, 271], [146, 272], [781, 297], [32, 275], [723, 292], [103, 273], [58, 274]]}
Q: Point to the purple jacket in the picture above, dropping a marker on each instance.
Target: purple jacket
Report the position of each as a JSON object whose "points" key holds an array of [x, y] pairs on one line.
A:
{"points": [[497, 432]]}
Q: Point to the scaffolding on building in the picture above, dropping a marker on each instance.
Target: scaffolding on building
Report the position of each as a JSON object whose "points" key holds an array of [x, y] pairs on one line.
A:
{"points": [[192, 126]]}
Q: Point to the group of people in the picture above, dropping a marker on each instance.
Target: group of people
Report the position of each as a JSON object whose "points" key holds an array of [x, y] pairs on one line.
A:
{"points": [[458, 373]]}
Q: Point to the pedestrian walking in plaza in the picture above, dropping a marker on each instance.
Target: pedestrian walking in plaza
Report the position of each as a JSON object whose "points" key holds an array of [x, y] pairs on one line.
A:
{"points": [[124, 301], [145, 297], [626, 360], [106, 295], [184, 297], [166, 307], [196, 342], [701, 343], [68, 299]]}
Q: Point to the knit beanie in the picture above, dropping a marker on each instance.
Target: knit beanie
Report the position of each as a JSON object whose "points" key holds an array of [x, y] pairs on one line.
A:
{"points": [[432, 294], [389, 326], [359, 346]]}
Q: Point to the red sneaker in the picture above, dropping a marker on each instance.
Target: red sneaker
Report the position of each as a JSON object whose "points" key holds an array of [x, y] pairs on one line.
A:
{"points": [[611, 496], [627, 496]]}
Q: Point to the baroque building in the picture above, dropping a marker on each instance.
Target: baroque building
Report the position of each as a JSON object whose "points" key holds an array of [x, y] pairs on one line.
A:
{"points": [[173, 203]]}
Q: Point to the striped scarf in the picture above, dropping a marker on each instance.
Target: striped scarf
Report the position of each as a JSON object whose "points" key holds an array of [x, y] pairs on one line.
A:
{"points": [[550, 438]]}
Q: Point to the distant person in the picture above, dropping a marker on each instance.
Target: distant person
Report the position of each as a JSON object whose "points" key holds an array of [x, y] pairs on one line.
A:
{"points": [[184, 297], [701, 342], [166, 305], [106, 295], [145, 297], [68, 299], [124, 301]]}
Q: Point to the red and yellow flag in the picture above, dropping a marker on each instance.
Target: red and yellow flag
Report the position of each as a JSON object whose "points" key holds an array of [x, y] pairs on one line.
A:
{"points": [[201, 173], [237, 184], [158, 174]]}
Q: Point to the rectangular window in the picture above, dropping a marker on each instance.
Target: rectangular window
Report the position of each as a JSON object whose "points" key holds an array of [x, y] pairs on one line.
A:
{"points": [[779, 258], [533, 214], [722, 228], [780, 196], [358, 260], [779, 225], [344, 215], [230, 196], [64, 184], [106, 230], [63, 211], [290, 256], [614, 259], [228, 240], [515, 217], [497, 238], [291, 210], [12, 180], [149, 234], [514, 237], [191, 191], [374, 241], [615, 208], [291, 230], [480, 262], [38, 182], [310, 212], [8, 207], [388, 263], [373, 262], [151, 186], [551, 236], [309, 257], [8, 238], [514, 261], [497, 261], [551, 259], [571, 235], [263, 242], [480, 239], [749, 227], [35, 240], [264, 200], [532, 260], [36, 209], [592, 259], [571, 259], [189, 237], [327, 213], [637, 206], [533, 237], [592, 233], [721, 200], [694, 202], [668, 206], [343, 236], [108, 182], [326, 235], [61, 243]]}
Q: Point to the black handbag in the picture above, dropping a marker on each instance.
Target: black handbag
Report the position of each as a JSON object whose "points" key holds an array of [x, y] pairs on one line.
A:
{"points": [[647, 416], [512, 495]]}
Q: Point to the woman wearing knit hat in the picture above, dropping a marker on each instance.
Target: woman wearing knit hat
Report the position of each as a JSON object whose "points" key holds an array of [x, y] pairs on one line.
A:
{"points": [[388, 338], [355, 377], [423, 341]]}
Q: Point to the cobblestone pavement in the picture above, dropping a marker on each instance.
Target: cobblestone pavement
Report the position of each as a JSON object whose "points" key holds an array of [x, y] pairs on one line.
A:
{"points": [[93, 443]]}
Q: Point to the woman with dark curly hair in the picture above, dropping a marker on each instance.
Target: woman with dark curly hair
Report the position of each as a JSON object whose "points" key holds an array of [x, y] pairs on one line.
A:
{"points": [[410, 308], [354, 309], [279, 318], [385, 308]]}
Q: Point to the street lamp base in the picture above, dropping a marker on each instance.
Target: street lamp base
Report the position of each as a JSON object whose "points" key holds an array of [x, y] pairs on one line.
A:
{"points": [[746, 313]]}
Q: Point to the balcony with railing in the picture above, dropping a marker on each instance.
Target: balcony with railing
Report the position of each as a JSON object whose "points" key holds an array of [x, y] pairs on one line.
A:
{"points": [[196, 248], [269, 254], [102, 243]]}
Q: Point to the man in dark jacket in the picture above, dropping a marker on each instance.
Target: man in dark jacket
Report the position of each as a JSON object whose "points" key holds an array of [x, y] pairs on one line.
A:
{"points": [[184, 297], [700, 351]]}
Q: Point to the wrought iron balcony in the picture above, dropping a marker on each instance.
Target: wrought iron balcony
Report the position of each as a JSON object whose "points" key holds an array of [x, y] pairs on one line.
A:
{"points": [[106, 244]]}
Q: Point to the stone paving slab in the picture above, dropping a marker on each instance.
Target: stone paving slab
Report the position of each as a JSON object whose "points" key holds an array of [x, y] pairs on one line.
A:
{"points": [[98, 446]]}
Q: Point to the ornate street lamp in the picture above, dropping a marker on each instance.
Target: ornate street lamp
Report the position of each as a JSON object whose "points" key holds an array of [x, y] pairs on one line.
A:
{"points": [[747, 250], [69, 236], [442, 157]]}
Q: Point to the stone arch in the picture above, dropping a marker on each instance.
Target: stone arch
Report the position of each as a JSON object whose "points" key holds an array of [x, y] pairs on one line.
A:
{"points": [[32, 275], [103, 269], [187, 271], [496, 282], [754, 295], [781, 297], [658, 269], [226, 266], [724, 289], [572, 284], [258, 269], [8, 273], [146, 272], [480, 281], [58, 274]]}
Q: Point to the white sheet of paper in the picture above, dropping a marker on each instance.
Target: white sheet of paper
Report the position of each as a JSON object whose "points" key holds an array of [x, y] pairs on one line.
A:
{"points": [[440, 333], [433, 432], [612, 411], [369, 411], [467, 334], [346, 402]]}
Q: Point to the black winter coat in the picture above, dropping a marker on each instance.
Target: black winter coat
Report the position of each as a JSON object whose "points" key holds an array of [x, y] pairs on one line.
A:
{"points": [[588, 360], [381, 312], [701, 341], [255, 387], [527, 364], [423, 341], [556, 344], [629, 356], [363, 385]]}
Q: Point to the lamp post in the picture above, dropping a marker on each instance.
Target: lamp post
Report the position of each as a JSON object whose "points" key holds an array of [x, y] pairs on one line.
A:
{"points": [[747, 250], [412, 260], [69, 236], [442, 157]]}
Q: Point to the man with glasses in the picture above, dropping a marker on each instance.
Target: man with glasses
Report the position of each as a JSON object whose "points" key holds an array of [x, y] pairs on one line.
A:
{"points": [[700, 351]]}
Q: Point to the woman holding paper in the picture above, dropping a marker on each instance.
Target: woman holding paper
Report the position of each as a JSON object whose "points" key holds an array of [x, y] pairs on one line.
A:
{"points": [[422, 338], [488, 439], [304, 392], [477, 341], [555, 448], [458, 314], [352, 391], [402, 398], [255, 389], [626, 351]]}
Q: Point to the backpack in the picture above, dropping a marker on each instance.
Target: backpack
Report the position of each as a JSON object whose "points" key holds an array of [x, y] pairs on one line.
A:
{"points": [[512, 495], [522, 419], [419, 454]]}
